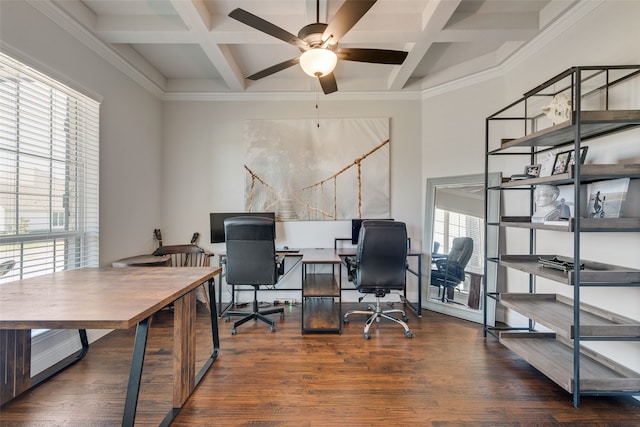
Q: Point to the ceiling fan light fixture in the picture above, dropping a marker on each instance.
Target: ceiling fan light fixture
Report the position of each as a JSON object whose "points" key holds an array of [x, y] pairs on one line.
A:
{"points": [[318, 62]]}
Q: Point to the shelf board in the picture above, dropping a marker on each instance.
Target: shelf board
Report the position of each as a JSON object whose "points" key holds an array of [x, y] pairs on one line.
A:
{"points": [[588, 173], [320, 285], [594, 272], [321, 315], [555, 360], [586, 224], [556, 312], [592, 124]]}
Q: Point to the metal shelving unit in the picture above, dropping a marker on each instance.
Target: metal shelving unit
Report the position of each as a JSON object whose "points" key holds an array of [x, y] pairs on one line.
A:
{"points": [[559, 354]]}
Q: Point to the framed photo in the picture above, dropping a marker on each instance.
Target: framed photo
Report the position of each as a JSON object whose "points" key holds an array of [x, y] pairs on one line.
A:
{"points": [[532, 170], [583, 155], [564, 160], [560, 163], [606, 198]]}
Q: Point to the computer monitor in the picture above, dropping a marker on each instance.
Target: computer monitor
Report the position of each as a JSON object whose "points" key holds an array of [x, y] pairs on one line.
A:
{"points": [[216, 222], [356, 224]]}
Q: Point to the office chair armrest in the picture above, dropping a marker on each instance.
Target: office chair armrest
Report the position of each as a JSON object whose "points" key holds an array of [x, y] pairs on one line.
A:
{"points": [[440, 264], [351, 263], [280, 264], [454, 271]]}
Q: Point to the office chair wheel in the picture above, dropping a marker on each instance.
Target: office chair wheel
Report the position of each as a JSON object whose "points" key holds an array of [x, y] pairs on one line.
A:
{"points": [[367, 336], [227, 319], [233, 331], [273, 328], [405, 318], [345, 320], [408, 334]]}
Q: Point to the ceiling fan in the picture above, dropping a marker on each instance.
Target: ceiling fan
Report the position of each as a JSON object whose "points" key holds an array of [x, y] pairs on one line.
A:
{"points": [[318, 43]]}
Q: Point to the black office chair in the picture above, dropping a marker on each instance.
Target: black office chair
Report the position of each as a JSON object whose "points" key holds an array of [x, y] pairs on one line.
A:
{"points": [[379, 267], [448, 272], [251, 260]]}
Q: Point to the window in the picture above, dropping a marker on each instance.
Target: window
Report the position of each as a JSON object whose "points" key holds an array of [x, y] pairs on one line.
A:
{"points": [[48, 174]]}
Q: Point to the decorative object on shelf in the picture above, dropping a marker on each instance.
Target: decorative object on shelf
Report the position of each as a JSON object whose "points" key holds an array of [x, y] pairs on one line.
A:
{"points": [[563, 209], [545, 197], [607, 197], [583, 156], [565, 159], [531, 171], [546, 166], [560, 163], [558, 264], [559, 109]]}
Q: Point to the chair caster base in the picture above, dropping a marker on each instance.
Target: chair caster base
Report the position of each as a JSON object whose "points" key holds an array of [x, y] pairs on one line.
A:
{"points": [[233, 331], [408, 334]]}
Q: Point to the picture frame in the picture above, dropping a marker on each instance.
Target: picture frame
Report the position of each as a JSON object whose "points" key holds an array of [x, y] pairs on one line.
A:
{"points": [[564, 160], [560, 163], [606, 198], [532, 170], [583, 156]]}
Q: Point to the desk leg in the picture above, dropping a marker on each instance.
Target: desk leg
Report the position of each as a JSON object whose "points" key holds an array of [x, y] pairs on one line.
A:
{"points": [[214, 325], [418, 307], [184, 346], [133, 389], [184, 349]]}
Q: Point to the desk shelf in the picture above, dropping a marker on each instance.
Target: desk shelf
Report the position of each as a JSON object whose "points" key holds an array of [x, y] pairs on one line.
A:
{"points": [[321, 298]]}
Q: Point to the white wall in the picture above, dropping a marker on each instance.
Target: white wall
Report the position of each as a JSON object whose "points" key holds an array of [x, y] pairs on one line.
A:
{"points": [[204, 157], [453, 134], [130, 129]]}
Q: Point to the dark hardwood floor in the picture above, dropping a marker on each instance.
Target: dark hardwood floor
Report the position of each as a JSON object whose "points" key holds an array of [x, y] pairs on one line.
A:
{"points": [[448, 374]]}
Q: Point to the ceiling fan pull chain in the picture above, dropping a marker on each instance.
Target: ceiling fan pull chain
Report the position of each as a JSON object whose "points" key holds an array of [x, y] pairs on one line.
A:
{"points": [[318, 106]]}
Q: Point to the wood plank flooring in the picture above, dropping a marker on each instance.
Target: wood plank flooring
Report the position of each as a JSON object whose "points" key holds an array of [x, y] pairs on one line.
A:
{"points": [[447, 375]]}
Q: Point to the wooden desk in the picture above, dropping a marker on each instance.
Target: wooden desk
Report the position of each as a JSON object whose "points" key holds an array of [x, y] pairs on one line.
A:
{"points": [[111, 298]]}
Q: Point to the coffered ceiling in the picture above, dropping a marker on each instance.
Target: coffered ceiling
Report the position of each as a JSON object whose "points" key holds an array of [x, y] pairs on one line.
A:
{"points": [[193, 46]]}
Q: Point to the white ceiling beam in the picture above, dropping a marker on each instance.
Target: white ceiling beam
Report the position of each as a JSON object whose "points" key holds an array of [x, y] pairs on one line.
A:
{"points": [[198, 19], [436, 16]]}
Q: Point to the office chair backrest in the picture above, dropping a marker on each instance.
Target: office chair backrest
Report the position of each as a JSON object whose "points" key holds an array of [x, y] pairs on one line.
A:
{"points": [[251, 253], [382, 255], [461, 250], [185, 255]]}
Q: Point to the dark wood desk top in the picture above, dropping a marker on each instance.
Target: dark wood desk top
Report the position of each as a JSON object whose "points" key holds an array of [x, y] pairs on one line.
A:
{"points": [[320, 256], [95, 298], [143, 261]]}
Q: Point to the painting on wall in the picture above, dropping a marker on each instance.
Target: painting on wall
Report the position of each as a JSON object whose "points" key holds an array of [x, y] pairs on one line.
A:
{"points": [[305, 172]]}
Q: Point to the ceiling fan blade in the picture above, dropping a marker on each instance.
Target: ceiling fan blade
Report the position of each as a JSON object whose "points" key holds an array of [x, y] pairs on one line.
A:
{"points": [[267, 27], [328, 83], [378, 56], [274, 69], [349, 13]]}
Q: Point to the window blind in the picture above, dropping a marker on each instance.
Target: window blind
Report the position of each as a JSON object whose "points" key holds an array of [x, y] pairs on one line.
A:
{"points": [[49, 152]]}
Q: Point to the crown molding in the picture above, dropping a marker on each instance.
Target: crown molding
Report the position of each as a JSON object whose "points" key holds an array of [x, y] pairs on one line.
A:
{"points": [[291, 96], [53, 12]]}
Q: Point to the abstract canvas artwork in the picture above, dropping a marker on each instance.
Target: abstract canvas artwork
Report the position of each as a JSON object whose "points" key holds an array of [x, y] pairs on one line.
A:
{"points": [[305, 172]]}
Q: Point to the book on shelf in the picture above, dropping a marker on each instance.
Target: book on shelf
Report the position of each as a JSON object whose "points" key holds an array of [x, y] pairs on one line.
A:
{"points": [[563, 222]]}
